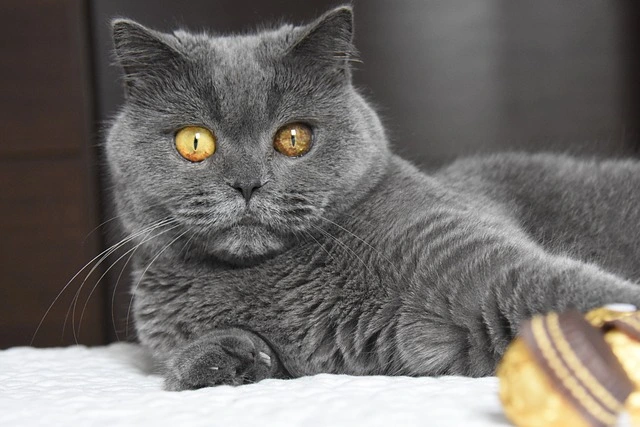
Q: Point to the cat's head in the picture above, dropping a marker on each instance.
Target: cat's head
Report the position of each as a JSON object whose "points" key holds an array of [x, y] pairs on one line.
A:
{"points": [[243, 141]]}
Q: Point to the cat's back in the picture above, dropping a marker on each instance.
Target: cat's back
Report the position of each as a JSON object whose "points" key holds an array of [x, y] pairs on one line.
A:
{"points": [[524, 169], [544, 180], [584, 207]]}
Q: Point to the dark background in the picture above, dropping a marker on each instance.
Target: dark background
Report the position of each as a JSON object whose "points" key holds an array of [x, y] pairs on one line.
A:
{"points": [[449, 77]]}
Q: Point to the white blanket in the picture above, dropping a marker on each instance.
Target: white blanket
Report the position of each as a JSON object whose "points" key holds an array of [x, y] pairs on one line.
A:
{"points": [[114, 385]]}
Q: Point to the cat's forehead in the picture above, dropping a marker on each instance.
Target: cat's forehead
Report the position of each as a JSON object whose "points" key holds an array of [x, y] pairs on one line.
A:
{"points": [[230, 50], [235, 73]]}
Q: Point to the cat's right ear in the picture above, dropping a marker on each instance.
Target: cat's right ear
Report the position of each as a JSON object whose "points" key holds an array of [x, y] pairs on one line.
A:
{"points": [[327, 43], [144, 54]]}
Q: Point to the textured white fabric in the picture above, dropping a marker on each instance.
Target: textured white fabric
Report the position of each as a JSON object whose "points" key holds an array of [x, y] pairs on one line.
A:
{"points": [[114, 385]]}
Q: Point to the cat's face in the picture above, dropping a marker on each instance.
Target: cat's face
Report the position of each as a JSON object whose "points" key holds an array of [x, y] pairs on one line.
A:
{"points": [[244, 89]]}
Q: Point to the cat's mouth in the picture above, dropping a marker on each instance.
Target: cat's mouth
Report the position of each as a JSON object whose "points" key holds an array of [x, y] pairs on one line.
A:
{"points": [[247, 234], [249, 221], [245, 242]]}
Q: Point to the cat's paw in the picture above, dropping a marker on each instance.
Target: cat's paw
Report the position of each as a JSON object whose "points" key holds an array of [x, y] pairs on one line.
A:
{"points": [[230, 359]]}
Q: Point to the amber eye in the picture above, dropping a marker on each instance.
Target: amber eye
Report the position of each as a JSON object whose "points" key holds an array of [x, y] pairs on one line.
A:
{"points": [[195, 143], [293, 140]]}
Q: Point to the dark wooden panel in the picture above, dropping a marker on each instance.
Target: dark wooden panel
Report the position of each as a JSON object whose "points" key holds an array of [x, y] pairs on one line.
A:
{"points": [[630, 52], [458, 77], [48, 194], [44, 230], [42, 77]]}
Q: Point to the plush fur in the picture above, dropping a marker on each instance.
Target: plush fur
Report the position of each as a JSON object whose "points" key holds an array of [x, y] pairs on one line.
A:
{"points": [[347, 259]]}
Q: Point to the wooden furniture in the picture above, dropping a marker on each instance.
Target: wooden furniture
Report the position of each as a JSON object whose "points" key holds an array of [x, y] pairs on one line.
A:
{"points": [[49, 191]]}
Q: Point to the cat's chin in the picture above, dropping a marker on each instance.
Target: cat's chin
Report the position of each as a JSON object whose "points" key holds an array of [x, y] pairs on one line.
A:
{"points": [[245, 245]]}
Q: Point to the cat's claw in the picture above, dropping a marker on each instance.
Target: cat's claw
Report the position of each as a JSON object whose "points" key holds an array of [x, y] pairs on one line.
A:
{"points": [[265, 358], [222, 360]]}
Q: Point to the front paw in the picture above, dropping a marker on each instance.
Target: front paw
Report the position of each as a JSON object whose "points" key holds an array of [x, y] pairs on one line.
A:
{"points": [[230, 359]]}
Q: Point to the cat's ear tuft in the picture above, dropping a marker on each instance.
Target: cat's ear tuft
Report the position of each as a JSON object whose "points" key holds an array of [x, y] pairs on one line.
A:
{"points": [[141, 52], [328, 39]]}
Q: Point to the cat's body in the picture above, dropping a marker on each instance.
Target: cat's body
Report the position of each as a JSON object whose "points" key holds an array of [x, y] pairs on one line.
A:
{"points": [[386, 290], [367, 265]]}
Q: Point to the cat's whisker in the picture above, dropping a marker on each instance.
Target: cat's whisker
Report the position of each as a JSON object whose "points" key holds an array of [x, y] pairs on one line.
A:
{"points": [[319, 244], [104, 257], [184, 248], [64, 288], [130, 251], [113, 295], [115, 288], [102, 224], [105, 254], [338, 241], [357, 218], [121, 213], [348, 58], [369, 245], [144, 272]]}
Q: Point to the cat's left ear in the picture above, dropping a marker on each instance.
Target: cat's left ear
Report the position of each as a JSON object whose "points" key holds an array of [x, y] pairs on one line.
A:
{"points": [[327, 42], [146, 56]]}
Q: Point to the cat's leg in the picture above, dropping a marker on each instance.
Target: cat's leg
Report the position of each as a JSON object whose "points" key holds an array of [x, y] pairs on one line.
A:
{"points": [[470, 320], [224, 356]]}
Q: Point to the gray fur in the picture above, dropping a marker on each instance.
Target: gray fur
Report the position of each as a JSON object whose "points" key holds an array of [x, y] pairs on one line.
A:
{"points": [[347, 259]]}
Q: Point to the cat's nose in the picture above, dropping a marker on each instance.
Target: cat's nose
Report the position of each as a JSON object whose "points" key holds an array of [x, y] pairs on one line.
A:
{"points": [[246, 188]]}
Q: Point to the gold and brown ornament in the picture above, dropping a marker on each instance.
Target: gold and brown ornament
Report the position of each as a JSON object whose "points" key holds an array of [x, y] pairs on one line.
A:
{"points": [[621, 329], [560, 371]]}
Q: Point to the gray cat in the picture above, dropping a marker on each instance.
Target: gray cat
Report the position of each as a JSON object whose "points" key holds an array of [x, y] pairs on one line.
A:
{"points": [[278, 236]]}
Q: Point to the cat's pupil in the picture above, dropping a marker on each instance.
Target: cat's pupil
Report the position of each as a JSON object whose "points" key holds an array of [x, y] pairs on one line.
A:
{"points": [[195, 141], [293, 137]]}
